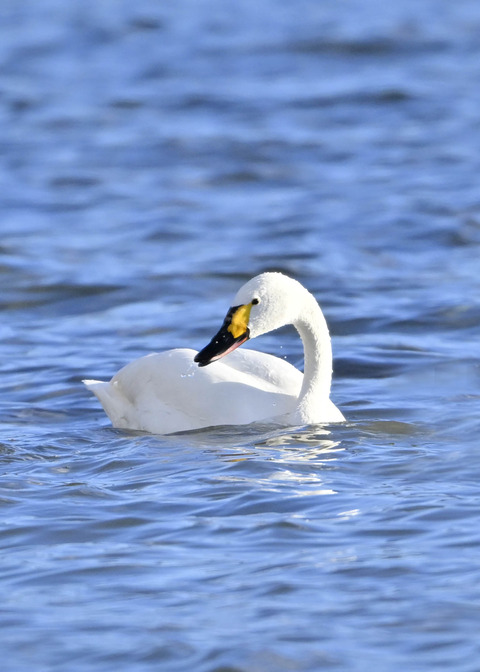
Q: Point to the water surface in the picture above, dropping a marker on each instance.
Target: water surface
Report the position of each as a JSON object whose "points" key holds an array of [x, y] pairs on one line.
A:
{"points": [[153, 158]]}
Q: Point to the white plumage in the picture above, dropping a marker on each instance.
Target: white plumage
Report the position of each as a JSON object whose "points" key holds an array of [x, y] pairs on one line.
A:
{"points": [[167, 392]]}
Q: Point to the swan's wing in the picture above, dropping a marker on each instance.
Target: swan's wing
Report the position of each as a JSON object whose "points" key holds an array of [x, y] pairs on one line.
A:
{"points": [[167, 392], [266, 369]]}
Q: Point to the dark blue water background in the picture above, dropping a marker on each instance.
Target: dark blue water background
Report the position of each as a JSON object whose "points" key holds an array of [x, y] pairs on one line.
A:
{"points": [[153, 157]]}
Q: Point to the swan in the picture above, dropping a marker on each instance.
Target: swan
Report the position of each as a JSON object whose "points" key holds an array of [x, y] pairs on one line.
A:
{"points": [[167, 392]]}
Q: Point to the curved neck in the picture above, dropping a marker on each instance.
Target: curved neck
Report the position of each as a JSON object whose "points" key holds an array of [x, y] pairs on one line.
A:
{"points": [[317, 377]]}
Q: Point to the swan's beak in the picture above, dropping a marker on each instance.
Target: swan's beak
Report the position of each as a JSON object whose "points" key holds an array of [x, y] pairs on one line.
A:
{"points": [[233, 332]]}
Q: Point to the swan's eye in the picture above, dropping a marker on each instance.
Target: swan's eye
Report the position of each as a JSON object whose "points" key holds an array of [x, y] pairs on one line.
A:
{"points": [[255, 301]]}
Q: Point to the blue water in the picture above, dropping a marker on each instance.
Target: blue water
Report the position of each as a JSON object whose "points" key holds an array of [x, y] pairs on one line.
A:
{"points": [[153, 157]]}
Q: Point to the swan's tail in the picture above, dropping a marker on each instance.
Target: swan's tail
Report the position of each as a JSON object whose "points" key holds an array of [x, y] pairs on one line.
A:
{"points": [[101, 390], [113, 403], [95, 386], [89, 383]]}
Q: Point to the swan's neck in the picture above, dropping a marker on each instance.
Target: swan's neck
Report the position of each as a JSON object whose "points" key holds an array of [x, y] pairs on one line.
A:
{"points": [[317, 377]]}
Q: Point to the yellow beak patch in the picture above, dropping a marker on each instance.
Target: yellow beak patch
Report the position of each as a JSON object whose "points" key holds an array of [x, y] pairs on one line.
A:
{"points": [[239, 323]]}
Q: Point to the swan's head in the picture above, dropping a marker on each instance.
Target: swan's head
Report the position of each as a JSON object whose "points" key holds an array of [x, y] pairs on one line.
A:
{"points": [[264, 303]]}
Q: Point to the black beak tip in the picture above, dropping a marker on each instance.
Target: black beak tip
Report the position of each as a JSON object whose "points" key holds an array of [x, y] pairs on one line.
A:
{"points": [[200, 361], [220, 345]]}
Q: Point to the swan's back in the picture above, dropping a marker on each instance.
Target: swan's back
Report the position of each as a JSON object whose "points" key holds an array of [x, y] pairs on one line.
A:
{"points": [[167, 392]]}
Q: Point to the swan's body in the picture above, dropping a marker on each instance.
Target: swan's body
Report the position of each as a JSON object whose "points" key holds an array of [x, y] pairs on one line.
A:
{"points": [[167, 392]]}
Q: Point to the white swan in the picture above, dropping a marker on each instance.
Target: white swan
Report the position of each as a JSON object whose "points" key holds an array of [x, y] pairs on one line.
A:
{"points": [[166, 392]]}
